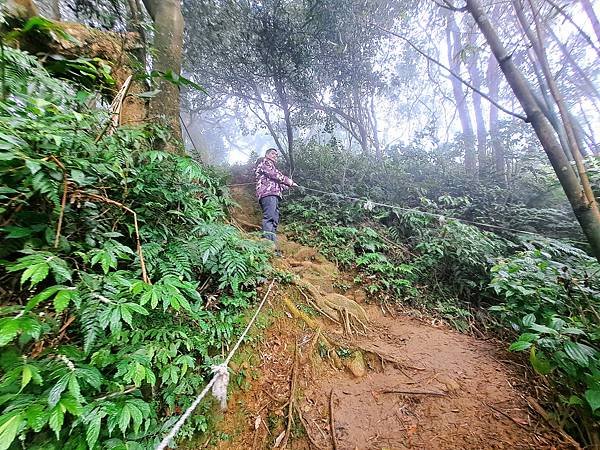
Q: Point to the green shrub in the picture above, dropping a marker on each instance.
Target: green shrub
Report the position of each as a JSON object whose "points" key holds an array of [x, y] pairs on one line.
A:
{"points": [[424, 173], [551, 298], [334, 227], [93, 353], [458, 255]]}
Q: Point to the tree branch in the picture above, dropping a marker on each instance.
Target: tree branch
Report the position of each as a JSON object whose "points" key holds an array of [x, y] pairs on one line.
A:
{"points": [[448, 5], [267, 121], [586, 36], [455, 75]]}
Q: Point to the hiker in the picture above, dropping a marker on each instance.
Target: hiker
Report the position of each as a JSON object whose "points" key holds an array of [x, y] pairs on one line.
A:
{"points": [[270, 183]]}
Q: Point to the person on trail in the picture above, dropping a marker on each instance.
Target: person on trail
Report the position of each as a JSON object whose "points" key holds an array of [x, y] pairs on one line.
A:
{"points": [[270, 183]]}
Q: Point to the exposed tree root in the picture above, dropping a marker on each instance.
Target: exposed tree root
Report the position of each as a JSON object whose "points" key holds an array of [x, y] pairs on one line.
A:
{"points": [[387, 358], [245, 224], [306, 428], [314, 305], [312, 323], [350, 313], [331, 344], [332, 422], [319, 337], [322, 269]]}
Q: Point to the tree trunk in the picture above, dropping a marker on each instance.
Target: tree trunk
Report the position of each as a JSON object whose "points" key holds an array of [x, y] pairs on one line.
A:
{"points": [[589, 10], [567, 118], [168, 41], [373, 122], [135, 24], [493, 83], [537, 57], [454, 51], [547, 106], [594, 147], [21, 10], [587, 213], [476, 79], [360, 121], [267, 119], [589, 90], [285, 106]]}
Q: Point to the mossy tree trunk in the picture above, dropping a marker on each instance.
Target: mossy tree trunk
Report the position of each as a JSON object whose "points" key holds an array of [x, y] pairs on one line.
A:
{"points": [[168, 42]]}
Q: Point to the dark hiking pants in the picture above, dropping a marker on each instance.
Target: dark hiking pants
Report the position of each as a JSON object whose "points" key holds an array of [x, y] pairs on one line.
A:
{"points": [[270, 209]]}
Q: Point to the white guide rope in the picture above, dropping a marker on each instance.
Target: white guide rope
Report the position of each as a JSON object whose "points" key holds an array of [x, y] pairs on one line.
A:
{"points": [[369, 205], [218, 383]]}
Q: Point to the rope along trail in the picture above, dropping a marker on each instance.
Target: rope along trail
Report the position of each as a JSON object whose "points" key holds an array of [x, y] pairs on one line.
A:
{"points": [[221, 375], [220, 371], [368, 203], [425, 213]]}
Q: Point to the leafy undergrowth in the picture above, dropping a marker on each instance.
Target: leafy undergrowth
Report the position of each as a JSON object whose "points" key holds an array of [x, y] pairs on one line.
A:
{"points": [[542, 294], [104, 342]]}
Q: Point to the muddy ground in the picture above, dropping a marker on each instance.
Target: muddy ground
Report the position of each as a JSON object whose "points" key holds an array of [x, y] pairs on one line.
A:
{"points": [[404, 383]]}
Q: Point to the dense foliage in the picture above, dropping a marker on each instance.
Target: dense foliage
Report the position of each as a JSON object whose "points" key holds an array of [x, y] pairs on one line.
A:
{"points": [[104, 341], [544, 294], [426, 174]]}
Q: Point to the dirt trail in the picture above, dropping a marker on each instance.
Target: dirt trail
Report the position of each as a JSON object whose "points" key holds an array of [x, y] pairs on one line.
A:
{"points": [[405, 384]]}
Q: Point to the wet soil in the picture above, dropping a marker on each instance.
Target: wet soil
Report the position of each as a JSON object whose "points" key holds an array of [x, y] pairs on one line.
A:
{"points": [[405, 384]]}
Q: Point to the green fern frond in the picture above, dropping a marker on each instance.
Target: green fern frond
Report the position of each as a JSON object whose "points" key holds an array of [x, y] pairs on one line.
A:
{"points": [[89, 323]]}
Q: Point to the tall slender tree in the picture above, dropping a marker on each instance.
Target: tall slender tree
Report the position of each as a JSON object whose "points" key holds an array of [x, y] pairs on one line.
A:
{"points": [[589, 10], [455, 49], [493, 84], [573, 182], [475, 73]]}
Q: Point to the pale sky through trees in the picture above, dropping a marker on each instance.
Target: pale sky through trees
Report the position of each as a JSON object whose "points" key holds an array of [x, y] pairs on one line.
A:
{"points": [[407, 111], [410, 95]]}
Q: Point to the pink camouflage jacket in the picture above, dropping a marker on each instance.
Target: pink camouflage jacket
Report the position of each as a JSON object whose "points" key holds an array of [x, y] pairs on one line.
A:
{"points": [[269, 180]]}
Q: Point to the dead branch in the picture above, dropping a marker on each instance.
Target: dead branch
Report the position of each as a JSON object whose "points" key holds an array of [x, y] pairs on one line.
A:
{"points": [[84, 195], [291, 403], [63, 202], [410, 392], [129, 390], [535, 406], [63, 329], [332, 421], [499, 411], [115, 110], [275, 399]]}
